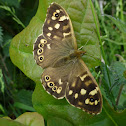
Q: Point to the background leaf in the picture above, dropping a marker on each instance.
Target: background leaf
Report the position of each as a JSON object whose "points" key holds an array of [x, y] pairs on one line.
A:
{"points": [[31, 119], [7, 122], [26, 119]]}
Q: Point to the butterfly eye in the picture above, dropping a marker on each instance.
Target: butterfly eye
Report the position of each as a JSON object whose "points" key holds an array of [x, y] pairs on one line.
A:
{"points": [[47, 78], [50, 84], [40, 45], [92, 100], [54, 88], [40, 51], [43, 41], [56, 15], [41, 58]]}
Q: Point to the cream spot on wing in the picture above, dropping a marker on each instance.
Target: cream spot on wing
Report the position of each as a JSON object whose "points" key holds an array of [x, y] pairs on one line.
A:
{"points": [[80, 103], [59, 90], [66, 34], [73, 84], [48, 21], [63, 18], [87, 101], [48, 46], [53, 18], [96, 102], [83, 77], [60, 82], [87, 83], [83, 91], [93, 92], [76, 95], [49, 34], [97, 88], [91, 103], [70, 92], [56, 37], [43, 41], [50, 28], [65, 27], [58, 11], [57, 26]]}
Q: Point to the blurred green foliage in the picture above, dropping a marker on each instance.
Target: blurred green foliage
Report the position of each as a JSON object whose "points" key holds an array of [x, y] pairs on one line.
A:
{"points": [[14, 17]]}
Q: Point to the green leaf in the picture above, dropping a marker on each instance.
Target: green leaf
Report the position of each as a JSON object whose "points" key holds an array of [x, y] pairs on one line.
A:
{"points": [[26, 119], [1, 36], [122, 27], [118, 70], [2, 109], [2, 85], [116, 73], [24, 96], [23, 106], [23, 100], [57, 121], [106, 84], [8, 122], [14, 3], [120, 24], [12, 12], [122, 101], [31, 119]]}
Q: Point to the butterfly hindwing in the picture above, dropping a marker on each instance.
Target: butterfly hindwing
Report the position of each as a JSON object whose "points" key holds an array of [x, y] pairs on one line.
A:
{"points": [[55, 80], [48, 52], [82, 90]]}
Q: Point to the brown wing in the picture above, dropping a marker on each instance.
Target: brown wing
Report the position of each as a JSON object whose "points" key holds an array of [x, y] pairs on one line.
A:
{"points": [[82, 90], [55, 79], [57, 39], [57, 24], [48, 53]]}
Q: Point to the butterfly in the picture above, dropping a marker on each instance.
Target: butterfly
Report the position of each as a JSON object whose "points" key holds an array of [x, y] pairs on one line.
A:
{"points": [[65, 73]]}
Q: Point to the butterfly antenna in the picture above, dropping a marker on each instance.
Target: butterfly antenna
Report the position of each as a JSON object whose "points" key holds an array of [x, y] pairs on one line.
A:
{"points": [[89, 38], [86, 42], [96, 58]]}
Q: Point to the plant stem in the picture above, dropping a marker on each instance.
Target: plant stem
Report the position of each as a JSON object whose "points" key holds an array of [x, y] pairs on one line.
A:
{"points": [[101, 46], [118, 97]]}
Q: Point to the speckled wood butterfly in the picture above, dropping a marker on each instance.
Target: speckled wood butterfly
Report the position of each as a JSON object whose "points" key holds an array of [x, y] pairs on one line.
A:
{"points": [[65, 74]]}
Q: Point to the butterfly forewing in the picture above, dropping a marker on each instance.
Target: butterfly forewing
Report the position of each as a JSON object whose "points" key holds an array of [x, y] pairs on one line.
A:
{"points": [[57, 24], [50, 53], [57, 38], [65, 74]]}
